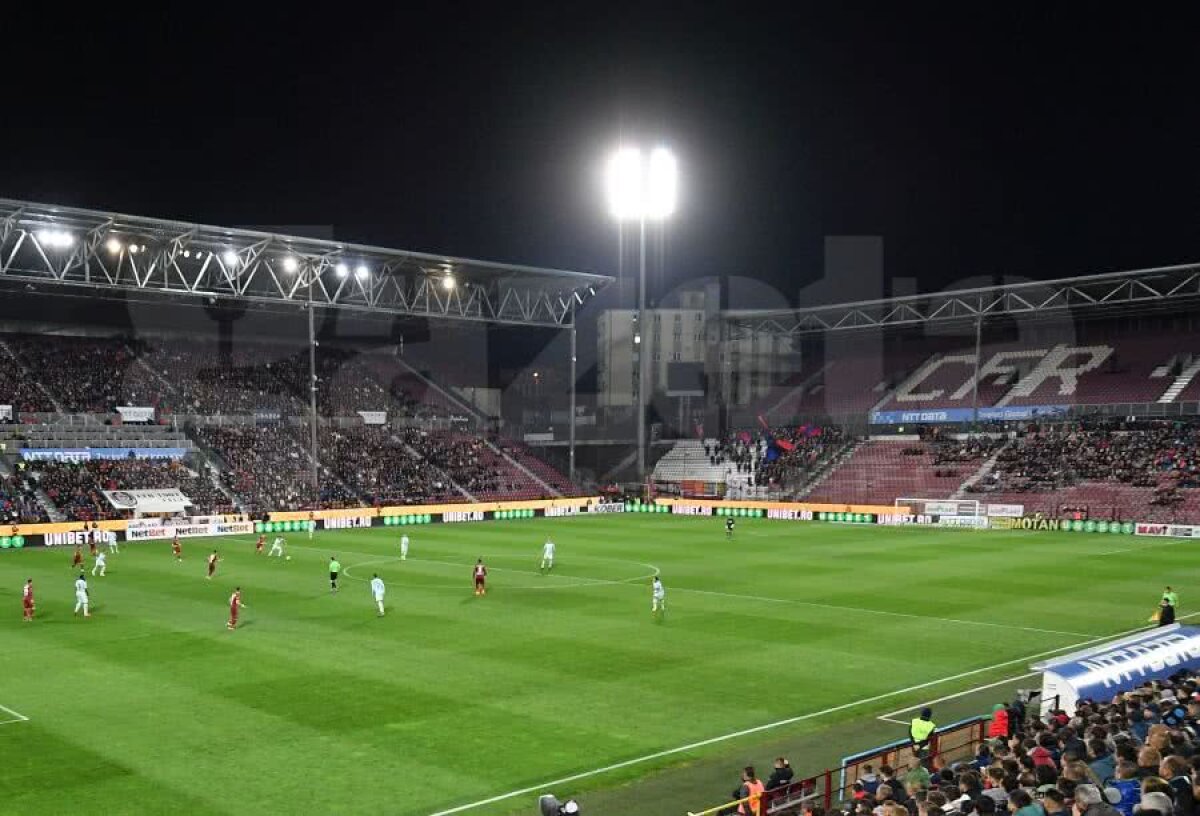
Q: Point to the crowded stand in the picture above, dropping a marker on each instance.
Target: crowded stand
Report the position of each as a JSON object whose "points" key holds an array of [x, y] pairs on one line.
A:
{"points": [[75, 487], [18, 503], [84, 374], [384, 468], [1137, 752], [268, 468]]}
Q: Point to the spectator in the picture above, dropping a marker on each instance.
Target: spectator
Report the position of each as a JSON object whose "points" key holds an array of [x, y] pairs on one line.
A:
{"points": [[1176, 771], [781, 775], [1089, 801], [751, 791]]}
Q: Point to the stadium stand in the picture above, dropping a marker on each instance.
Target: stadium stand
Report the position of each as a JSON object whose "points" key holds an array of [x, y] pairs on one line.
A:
{"points": [[1133, 753], [878, 472], [75, 487], [18, 503], [749, 464]]}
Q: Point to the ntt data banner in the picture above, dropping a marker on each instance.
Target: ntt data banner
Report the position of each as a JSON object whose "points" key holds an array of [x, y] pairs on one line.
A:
{"points": [[132, 413], [1103, 671], [6, 412], [167, 500], [88, 454], [373, 417], [1007, 413]]}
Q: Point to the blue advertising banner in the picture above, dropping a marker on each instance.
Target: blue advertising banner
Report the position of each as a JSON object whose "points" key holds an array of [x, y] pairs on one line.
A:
{"points": [[87, 454], [1007, 413], [1104, 670]]}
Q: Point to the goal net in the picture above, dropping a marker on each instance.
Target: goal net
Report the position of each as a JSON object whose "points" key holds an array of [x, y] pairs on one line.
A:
{"points": [[942, 507]]}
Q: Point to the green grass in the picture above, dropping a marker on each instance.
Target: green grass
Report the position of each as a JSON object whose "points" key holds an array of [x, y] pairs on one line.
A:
{"points": [[316, 705]]}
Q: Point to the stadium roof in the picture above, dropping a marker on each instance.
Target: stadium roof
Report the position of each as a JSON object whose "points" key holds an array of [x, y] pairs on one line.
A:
{"points": [[1163, 286], [109, 252]]}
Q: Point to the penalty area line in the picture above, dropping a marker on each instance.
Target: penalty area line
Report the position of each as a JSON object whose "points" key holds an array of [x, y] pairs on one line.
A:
{"points": [[616, 766], [17, 716]]}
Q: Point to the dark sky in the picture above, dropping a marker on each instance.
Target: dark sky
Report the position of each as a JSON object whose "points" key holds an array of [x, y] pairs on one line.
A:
{"points": [[1021, 141]]}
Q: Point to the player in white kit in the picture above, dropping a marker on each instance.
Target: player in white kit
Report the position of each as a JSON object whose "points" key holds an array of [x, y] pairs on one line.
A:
{"points": [[377, 592], [658, 598], [547, 556], [404, 547], [276, 547], [99, 565], [112, 544], [81, 596]]}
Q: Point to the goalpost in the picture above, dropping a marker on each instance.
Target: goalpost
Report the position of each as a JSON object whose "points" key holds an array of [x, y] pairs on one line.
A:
{"points": [[942, 507]]}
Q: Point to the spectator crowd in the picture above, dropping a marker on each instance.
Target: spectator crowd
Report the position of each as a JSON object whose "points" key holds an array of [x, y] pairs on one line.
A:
{"points": [[1137, 753]]}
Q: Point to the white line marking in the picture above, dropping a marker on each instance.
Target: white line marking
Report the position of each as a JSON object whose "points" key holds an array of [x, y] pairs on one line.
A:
{"points": [[545, 786], [881, 612], [17, 715], [888, 717], [1147, 547]]}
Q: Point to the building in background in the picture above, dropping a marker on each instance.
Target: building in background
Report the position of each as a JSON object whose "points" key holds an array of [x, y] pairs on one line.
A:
{"points": [[692, 367]]}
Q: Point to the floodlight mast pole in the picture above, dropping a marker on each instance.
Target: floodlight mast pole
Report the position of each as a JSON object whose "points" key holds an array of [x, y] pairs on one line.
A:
{"points": [[312, 395], [641, 351], [571, 413]]}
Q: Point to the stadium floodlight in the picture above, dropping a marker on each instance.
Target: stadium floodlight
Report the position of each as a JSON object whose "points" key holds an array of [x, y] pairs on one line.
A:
{"points": [[342, 270], [448, 282], [290, 264], [113, 245], [133, 249], [641, 188], [361, 272], [230, 258], [55, 239], [187, 253]]}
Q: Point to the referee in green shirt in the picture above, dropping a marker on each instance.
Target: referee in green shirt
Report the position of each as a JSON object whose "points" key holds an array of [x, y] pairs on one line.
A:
{"points": [[1170, 597], [334, 569]]}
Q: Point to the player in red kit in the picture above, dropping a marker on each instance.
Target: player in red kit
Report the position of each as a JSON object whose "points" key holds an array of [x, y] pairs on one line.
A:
{"points": [[27, 600], [258, 545], [212, 564], [77, 561], [235, 603], [480, 573], [91, 540], [177, 548]]}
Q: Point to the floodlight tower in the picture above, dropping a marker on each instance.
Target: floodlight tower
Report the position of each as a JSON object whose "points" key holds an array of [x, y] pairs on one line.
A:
{"points": [[641, 188]]}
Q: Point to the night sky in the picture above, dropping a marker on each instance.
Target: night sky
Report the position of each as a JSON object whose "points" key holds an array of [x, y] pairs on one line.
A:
{"points": [[1037, 142]]}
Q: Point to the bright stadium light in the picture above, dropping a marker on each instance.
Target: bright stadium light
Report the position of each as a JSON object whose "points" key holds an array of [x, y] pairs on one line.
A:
{"points": [[448, 282], [290, 264], [642, 189], [133, 249], [55, 239], [624, 182], [361, 272], [113, 245], [661, 183], [342, 270], [230, 258], [187, 253]]}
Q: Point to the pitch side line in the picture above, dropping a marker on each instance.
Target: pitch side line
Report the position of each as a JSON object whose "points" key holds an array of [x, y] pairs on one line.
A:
{"points": [[17, 716], [546, 786]]}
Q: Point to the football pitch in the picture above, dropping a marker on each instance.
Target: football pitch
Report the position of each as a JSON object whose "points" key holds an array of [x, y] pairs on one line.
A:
{"points": [[451, 702]]}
